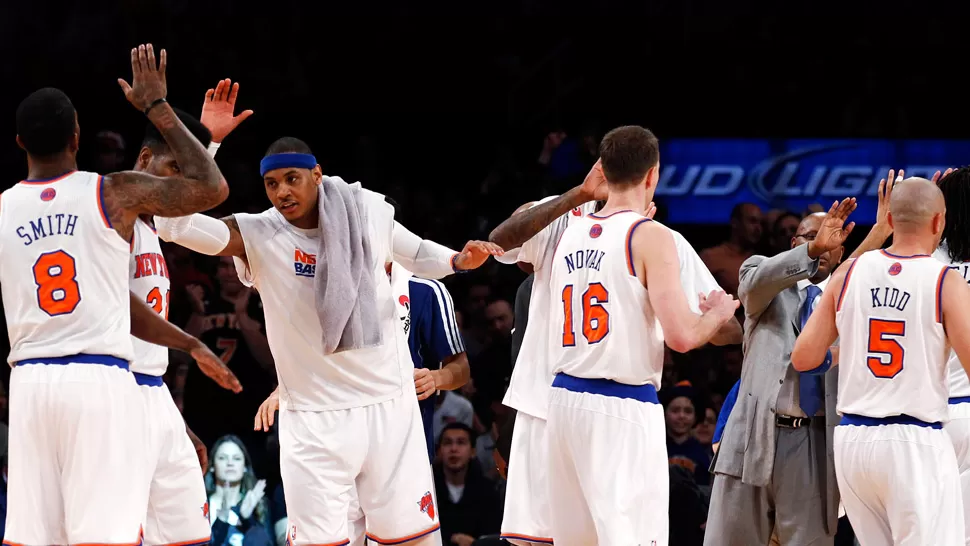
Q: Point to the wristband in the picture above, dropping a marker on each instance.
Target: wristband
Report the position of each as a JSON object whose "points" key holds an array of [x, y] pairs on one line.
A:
{"points": [[154, 104], [454, 264]]}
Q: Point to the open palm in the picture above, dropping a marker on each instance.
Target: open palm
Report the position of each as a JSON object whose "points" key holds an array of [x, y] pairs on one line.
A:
{"points": [[218, 108], [834, 231]]}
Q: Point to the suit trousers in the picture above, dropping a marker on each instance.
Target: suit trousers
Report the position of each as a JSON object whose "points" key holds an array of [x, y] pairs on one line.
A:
{"points": [[791, 507]]}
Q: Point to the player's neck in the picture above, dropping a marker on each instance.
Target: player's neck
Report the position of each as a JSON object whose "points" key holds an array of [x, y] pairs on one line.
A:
{"points": [[310, 221], [634, 199], [50, 167], [912, 246]]}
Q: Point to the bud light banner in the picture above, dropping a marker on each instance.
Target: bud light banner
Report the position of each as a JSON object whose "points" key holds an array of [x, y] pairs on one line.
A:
{"points": [[702, 180]]}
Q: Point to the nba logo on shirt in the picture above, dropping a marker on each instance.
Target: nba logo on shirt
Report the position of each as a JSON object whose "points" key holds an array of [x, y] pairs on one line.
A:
{"points": [[304, 264], [48, 194]]}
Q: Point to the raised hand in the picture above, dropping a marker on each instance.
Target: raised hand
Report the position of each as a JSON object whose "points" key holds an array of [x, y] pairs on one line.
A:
{"points": [[475, 253], [424, 383], [251, 500], [833, 231], [651, 210], [213, 366], [148, 79], [937, 177], [594, 187], [218, 108], [886, 186]]}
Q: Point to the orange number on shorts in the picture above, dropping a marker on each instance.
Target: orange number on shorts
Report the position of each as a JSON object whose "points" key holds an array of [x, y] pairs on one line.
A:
{"points": [[155, 300], [55, 275], [228, 347], [596, 319], [889, 353]]}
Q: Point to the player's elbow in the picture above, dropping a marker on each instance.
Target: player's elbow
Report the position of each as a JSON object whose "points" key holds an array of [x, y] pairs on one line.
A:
{"points": [[803, 359], [680, 342], [221, 192]]}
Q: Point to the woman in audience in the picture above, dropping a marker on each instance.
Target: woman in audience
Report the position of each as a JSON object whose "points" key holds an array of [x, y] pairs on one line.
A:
{"points": [[238, 507], [682, 448]]}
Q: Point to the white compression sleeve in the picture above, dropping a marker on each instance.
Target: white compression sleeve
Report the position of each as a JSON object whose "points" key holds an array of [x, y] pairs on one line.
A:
{"points": [[422, 257], [198, 232], [213, 148]]}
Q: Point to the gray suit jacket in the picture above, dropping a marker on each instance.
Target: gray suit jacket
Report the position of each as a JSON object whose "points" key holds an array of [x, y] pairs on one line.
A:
{"points": [[771, 303]]}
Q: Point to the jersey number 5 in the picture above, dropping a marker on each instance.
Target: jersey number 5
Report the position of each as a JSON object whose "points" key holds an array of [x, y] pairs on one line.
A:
{"points": [[55, 275], [596, 319], [886, 355]]}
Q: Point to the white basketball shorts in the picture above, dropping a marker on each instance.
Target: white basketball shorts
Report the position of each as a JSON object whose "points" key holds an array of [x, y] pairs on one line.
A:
{"points": [[77, 467], [379, 451], [608, 476], [528, 514], [178, 511], [958, 429], [899, 481]]}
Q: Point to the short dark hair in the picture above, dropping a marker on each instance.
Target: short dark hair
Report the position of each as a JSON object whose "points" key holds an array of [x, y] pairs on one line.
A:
{"points": [[956, 194], [627, 153], [156, 142], [786, 214], [288, 145], [456, 426], [45, 122]]}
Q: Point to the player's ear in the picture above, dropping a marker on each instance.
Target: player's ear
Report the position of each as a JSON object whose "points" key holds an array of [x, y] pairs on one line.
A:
{"points": [[20, 143], [144, 159], [317, 173]]}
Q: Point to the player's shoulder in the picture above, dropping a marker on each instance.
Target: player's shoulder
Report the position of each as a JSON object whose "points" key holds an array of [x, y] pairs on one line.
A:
{"points": [[428, 289]]}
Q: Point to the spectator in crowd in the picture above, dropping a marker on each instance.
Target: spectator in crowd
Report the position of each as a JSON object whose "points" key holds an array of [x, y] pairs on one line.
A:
{"points": [[688, 509], [109, 152], [704, 429], [281, 524], [468, 505], [451, 408], [230, 323], [781, 233], [238, 509], [683, 449], [493, 366], [725, 259]]}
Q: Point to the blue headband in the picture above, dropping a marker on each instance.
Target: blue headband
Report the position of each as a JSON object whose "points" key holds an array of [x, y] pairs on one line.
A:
{"points": [[279, 161]]}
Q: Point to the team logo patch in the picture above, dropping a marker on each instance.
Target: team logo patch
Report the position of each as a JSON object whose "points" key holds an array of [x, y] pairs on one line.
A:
{"points": [[406, 319], [427, 504], [205, 510], [404, 301], [304, 264], [577, 211], [595, 231], [48, 194], [895, 269], [293, 533]]}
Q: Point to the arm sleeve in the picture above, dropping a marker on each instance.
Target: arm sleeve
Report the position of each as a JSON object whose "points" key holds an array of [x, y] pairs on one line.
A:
{"points": [[198, 232], [422, 257]]}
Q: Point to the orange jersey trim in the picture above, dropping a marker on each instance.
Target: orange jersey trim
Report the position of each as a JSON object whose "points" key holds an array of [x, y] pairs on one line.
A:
{"points": [[939, 295], [198, 541], [529, 538], [47, 180], [845, 284], [393, 541]]}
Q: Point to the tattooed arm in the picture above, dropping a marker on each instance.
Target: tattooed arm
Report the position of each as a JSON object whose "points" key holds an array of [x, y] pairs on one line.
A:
{"points": [[198, 187], [526, 222]]}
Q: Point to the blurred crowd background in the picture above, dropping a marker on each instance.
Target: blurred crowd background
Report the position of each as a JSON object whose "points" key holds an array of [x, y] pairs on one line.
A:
{"points": [[460, 117]]}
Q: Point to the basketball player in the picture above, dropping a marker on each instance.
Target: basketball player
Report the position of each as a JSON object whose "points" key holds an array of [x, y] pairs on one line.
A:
{"points": [[347, 423], [892, 310], [77, 461], [615, 282], [527, 517], [177, 488]]}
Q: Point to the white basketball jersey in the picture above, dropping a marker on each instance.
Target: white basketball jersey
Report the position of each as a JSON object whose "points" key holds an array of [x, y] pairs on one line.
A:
{"points": [[532, 375], [63, 271], [606, 327], [893, 350], [957, 377], [148, 279], [281, 265]]}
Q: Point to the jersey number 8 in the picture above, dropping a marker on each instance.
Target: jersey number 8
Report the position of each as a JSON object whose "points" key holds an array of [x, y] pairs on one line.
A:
{"points": [[596, 319], [55, 275]]}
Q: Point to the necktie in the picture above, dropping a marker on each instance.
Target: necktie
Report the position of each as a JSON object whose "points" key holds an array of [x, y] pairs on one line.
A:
{"points": [[809, 386]]}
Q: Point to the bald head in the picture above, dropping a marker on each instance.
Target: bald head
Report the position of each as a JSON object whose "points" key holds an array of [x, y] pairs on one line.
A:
{"points": [[914, 204]]}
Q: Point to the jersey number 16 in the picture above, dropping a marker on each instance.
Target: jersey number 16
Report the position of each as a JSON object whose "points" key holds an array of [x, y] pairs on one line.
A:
{"points": [[596, 319]]}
